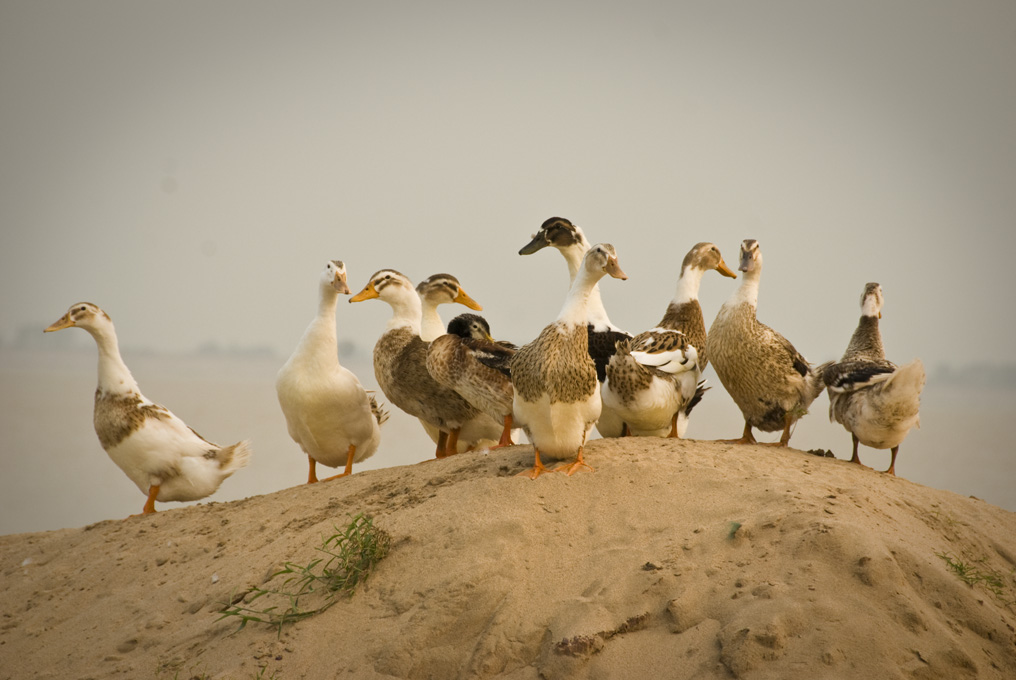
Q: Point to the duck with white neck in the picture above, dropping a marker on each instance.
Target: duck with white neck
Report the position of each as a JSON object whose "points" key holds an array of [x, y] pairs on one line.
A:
{"points": [[557, 393], [166, 459]]}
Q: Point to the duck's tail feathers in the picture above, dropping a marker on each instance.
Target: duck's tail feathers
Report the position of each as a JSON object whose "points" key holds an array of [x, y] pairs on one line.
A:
{"points": [[379, 411], [700, 392], [232, 458], [815, 380]]}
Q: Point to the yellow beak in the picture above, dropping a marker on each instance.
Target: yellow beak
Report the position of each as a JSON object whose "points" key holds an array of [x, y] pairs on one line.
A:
{"points": [[64, 322], [368, 293], [464, 299]]}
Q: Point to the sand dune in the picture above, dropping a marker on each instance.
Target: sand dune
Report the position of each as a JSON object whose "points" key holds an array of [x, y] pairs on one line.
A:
{"points": [[672, 560]]}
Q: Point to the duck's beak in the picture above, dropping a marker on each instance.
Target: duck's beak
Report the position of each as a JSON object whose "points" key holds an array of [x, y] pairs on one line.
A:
{"points": [[745, 261], [614, 269], [339, 283], [368, 293], [64, 322], [537, 243], [725, 270], [464, 299]]}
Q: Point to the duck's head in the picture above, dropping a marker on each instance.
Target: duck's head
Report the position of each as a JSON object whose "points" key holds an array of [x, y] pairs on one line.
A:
{"points": [[387, 285], [442, 289], [751, 257], [871, 300], [602, 259], [559, 233], [81, 315], [334, 276], [705, 256], [470, 326]]}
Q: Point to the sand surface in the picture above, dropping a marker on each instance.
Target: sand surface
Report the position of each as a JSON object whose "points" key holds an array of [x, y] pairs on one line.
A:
{"points": [[674, 559]]}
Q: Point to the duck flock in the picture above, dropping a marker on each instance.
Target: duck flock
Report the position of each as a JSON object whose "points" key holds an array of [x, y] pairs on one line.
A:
{"points": [[469, 390]]}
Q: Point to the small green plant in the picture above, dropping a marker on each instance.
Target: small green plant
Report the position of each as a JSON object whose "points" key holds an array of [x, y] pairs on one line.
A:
{"points": [[989, 579], [349, 556]]}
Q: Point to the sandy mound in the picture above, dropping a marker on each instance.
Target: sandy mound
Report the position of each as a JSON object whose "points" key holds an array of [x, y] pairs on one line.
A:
{"points": [[674, 559]]}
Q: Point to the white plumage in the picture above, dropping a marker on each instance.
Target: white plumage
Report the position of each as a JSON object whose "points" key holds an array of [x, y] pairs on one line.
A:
{"points": [[328, 413], [166, 459]]}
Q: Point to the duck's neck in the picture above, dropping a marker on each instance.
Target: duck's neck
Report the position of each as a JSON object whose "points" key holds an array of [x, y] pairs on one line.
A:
{"points": [[114, 376], [406, 313], [866, 341], [688, 285], [319, 342], [580, 299], [431, 326], [747, 292], [595, 312]]}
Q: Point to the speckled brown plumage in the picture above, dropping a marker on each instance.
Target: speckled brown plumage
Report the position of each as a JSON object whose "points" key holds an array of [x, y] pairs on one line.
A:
{"points": [[687, 318], [556, 363], [400, 366], [116, 416]]}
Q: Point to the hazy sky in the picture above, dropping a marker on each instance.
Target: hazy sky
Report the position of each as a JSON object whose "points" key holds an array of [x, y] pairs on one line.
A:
{"points": [[190, 166]]}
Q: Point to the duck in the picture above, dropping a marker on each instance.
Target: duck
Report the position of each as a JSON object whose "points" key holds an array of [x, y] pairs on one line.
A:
{"points": [[329, 414], [556, 391], [468, 360], [653, 380], [569, 240], [442, 289], [877, 402], [400, 362], [166, 459], [768, 379]]}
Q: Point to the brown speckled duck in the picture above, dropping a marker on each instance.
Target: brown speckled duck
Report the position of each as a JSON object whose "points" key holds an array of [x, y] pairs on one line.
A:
{"points": [[557, 395], [445, 289], [328, 413], [653, 379], [569, 240], [400, 362], [876, 401], [468, 360], [167, 460], [767, 378]]}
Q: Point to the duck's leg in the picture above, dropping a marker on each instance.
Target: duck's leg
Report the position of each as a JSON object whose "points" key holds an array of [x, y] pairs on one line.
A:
{"points": [[673, 428], [537, 469], [312, 474], [349, 464], [506, 433], [442, 439], [892, 462], [149, 508], [574, 466], [855, 459], [746, 438], [452, 445], [625, 430]]}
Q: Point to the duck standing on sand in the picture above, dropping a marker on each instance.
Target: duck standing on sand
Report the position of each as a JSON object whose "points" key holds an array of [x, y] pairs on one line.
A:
{"points": [[328, 413], [603, 336], [444, 289], [167, 460], [653, 379], [468, 360], [872, 398], [400, 363], [767, 378], [557, 394]]}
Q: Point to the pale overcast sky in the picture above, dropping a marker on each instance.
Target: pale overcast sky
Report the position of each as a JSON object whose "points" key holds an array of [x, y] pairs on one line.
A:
{"points": [[190, 166]]}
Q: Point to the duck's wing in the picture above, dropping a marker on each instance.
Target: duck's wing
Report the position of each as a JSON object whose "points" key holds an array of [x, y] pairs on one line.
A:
{"points": [[848, 376], [602, 345]]}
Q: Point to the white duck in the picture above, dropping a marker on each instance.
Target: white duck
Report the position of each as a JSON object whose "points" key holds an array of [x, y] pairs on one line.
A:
{"points": [[653, 379], [557, 394], [445, 289], [570, 241], [400, 362], [767, 378], [328, 413], [167, 460], [876, 401]]}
